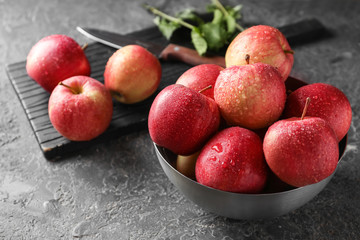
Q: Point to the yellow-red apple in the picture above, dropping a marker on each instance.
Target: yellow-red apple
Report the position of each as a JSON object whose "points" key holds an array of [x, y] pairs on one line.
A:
{"points": [[251, 96], [264, 44], [132, 74]]}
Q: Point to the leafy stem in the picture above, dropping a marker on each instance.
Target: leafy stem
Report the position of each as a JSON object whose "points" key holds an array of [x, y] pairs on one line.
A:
{"points": [[218, 4], [211, 35], [168, 17]]}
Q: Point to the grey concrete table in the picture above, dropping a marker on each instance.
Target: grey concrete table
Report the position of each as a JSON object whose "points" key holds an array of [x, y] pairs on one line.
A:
{"points": [[117, 189]]}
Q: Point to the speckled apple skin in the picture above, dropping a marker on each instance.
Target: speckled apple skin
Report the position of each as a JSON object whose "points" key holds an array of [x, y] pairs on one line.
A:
{"points": [[182, 120], [132, 74], [56, 58], [200, 77], [83, 116], [301, 152], [326, 101], [233, 161], [251, 96], [263, 44]]}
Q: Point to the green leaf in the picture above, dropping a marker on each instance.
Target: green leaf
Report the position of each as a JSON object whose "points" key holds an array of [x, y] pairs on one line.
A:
{"points": [[231, 24], [218, 17], [189, 14], [235, 11], [210, 8], [212, 35], [167, 28], [215, 35], [198, 41]]}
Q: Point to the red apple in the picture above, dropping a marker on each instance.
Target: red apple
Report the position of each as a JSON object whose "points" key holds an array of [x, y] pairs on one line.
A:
{"points": [[233, 161], [327, 102], [132, 74], [56, 58], [251, 96], [182, 119], [200, 77], [80, 108], [264, 44], [301, 151]]}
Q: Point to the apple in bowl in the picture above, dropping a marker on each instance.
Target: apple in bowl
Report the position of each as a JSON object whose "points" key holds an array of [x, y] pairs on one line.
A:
{"points": [[182, 119], [301, 150], [264, 44], [275, 200], [327, 102], [200, 77], [251, 96], [233, 161]]}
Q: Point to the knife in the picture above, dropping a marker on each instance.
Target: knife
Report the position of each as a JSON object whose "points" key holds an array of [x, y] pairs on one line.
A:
{"points": [[308, 29], [169, 52]]}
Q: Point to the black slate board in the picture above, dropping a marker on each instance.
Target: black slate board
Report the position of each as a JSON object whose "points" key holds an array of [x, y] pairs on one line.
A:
{"points": [[126, 118]]}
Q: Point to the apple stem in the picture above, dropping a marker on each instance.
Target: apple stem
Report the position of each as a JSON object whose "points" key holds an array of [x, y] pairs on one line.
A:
{"points": [[247, 58], [206, 88], [72, 89], [307, 103], [289, 51], [84, 46]]}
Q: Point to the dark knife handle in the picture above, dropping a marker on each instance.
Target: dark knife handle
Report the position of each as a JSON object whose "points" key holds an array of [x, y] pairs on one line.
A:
{"points": [[189, 56], [303, 31]]}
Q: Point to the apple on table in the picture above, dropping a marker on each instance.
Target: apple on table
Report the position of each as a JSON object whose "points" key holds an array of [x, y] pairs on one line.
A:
{"points": [[80, 108], [132, 74], [55, 58]]}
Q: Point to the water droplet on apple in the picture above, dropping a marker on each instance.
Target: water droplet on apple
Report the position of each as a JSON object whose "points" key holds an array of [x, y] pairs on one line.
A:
{"points": [[197, 107], [217, 147], [334, 98], [213, 158]]}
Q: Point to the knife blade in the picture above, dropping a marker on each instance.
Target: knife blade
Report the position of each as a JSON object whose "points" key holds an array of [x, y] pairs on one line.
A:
{"points": [[307, 29], [167, 52]]}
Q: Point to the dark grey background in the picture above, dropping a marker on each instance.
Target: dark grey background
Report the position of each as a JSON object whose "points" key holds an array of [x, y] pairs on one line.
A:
{"points": [[117, 190]]}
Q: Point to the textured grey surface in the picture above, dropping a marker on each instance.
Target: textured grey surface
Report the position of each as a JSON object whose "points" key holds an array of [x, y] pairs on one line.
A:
{"points": [[117, 189]]}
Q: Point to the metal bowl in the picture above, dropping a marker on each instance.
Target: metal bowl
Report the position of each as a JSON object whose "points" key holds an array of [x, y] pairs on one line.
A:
{"points": [[243, 206]]}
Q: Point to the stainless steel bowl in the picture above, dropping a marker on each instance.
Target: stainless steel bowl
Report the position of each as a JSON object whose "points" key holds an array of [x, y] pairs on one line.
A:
{"points": [[237, 205]]}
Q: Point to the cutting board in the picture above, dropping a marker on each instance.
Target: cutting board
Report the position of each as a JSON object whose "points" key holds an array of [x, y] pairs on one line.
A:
{"points": [[126, 118]]}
